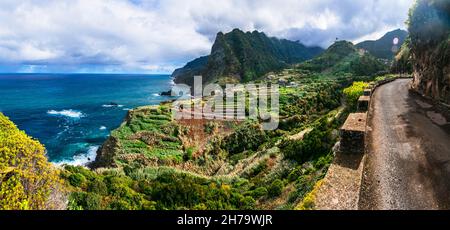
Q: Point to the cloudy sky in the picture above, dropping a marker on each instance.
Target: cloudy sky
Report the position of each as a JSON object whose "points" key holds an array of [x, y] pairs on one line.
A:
{"points": [[156, 36]]}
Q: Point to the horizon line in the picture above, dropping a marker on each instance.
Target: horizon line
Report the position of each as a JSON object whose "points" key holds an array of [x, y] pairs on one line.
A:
{"points": [[86, 73]]}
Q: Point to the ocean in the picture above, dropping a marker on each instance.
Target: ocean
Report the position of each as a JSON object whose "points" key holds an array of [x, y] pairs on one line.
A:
{"points": [[73, 114]]}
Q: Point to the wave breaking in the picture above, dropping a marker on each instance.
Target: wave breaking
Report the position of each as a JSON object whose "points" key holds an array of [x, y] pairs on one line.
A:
{"points": [[66, 113], [82, 159]]}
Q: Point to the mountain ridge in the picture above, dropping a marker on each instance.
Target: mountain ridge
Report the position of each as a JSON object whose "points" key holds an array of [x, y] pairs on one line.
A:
{"points": [[240, 56], [244, 56], [384, 47], [344, 57]]}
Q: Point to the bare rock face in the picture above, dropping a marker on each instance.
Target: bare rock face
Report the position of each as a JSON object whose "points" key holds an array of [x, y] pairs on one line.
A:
{"points": [[432, 72], [106, 154]]}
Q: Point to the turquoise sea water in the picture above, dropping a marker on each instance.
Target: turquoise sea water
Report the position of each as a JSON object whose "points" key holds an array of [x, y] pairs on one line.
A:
{"points": [[72, 114]]}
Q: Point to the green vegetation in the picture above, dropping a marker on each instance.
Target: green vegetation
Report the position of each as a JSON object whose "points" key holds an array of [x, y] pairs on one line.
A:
{"points": [[27, 179], [149, 132], [192, 68], [156, 163], [309, 200], [275, 188], [314, 144], [245, 57], [153, 162], [429, 48], [353, 92], [433, 14], [344, 58], [246, 137], [153, 189], [313, 98], [235, 166], [402, 62]]}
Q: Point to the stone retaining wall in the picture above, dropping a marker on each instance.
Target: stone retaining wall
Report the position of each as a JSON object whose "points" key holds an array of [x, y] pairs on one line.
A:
{"points": [[353, 133]]}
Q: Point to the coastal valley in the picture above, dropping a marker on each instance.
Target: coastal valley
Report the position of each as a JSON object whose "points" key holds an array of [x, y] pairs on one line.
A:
{"points": [[156, 162]]}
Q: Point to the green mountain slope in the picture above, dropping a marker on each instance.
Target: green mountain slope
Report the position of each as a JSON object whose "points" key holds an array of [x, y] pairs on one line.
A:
{"points": [[344, 58], [384, 47], [192, 68], [240, 56]]}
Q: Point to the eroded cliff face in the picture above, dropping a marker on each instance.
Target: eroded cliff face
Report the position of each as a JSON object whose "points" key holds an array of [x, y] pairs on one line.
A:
{"points": [[429, 27], [106, 154], [432, 72]]}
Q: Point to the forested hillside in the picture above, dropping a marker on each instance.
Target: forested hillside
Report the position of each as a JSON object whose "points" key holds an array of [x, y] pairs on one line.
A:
{"points": [[344, 58]]}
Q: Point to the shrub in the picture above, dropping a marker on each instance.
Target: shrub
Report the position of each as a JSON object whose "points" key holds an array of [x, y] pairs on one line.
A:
{"points": [[314, 144], [200, 206], [88, 174], [308, 202], [74, 206], [76, 200], [98, 186], [323, 161], [259, 168], [119, 205], [353, 93], [189, 153], [275, 188], [84, 201], [247, 203], [211, 127], [249, 136], [93, 201], [76, 179], [27, 179], [259, 192], [294, 175]]}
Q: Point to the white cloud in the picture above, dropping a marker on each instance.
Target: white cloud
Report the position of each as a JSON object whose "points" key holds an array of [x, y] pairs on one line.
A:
{"points": [[157, 35]]}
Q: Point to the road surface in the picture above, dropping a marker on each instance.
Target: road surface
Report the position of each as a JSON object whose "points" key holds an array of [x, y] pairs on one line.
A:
{"points": [[408, 164]]}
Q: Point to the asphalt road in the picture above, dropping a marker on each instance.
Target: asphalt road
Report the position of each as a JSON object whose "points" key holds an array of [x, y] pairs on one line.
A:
{"points": [[408, 162]]}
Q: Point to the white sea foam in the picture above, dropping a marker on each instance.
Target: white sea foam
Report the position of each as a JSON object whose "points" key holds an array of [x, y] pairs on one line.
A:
{"points": [[82, 159], [102, 127], [111, 106], [66, 113], [107, 106], [156, 94]]}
